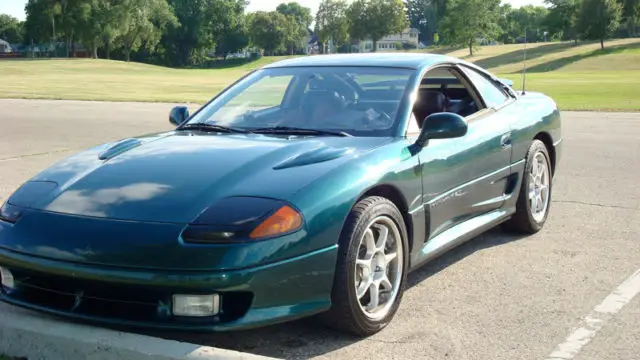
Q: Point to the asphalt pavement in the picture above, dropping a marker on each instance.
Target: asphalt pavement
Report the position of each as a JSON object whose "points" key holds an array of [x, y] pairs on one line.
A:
{"points": [[568, 292]]}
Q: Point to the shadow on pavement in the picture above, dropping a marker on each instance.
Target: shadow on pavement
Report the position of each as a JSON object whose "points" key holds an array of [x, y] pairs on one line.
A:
{"points": [[308, 338]]}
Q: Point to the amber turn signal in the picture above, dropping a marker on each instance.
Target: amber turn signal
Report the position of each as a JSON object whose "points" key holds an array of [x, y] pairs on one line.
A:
{"points": [[283, 221]]}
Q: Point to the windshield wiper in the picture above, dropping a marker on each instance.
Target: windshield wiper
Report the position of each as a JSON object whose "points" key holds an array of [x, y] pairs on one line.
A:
{"points": [[298, 131], [212, 127]]}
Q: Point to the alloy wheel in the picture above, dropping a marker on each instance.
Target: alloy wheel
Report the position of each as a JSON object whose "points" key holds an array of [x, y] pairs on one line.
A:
{"points": [[539, 186], [378, 268]]}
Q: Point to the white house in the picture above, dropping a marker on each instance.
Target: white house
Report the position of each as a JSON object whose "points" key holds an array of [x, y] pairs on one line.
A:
{"points": [[388, 43], [5, 47]]}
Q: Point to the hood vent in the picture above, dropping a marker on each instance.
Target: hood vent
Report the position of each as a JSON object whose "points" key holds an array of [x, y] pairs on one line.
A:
{"points": [[314, 156], [118, 148]]}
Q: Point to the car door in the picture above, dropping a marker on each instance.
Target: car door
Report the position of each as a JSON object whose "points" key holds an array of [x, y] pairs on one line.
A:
{"points": [[468, 176]]}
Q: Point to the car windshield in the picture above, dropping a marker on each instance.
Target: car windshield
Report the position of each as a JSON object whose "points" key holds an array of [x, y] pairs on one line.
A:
{"points": [[359, 101]]}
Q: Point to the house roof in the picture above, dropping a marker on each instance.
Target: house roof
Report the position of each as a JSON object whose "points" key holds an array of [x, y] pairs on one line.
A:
{"points": [[405, 60]]}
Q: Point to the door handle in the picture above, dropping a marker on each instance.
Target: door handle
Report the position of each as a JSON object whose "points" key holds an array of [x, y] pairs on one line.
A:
{"points": [[505, 141]]}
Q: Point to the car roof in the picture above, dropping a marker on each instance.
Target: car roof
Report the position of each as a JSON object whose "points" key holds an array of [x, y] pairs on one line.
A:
{"points": [[397, 60]]}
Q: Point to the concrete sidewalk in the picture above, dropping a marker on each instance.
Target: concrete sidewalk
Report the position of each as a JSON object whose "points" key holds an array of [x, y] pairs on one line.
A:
{"points": [[25, 333]]}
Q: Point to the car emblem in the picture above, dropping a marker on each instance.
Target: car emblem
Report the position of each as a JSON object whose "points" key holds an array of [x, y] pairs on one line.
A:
{"points": [[79, 294]]}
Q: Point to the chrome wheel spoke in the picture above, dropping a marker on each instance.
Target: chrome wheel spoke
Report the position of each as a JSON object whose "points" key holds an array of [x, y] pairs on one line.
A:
{"points": [[374, 297], [385, 283], [369, 242], [390, 257], [361, 290], [544, 190], [382, 238], [541, 169]]}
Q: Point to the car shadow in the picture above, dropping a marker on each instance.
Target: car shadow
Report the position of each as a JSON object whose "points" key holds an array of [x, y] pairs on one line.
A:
{"points": [[307, 337]]}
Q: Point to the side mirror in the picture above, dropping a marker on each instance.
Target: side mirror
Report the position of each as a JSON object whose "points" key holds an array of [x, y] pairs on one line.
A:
{"points": [[441, 126], [178, 115]]}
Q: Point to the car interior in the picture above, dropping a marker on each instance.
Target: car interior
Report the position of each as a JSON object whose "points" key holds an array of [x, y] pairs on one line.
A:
{"points": [[367, 105], [445, 90]]}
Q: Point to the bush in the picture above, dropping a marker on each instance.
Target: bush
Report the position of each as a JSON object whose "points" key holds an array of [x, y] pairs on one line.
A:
{"points": [[399, 46], [409, 46]]}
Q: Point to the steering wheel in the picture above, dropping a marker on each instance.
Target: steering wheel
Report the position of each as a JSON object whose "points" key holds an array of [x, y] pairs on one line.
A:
{"points": [[464, 107]]}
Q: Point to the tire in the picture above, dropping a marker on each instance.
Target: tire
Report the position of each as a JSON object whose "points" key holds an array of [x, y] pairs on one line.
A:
{"points": [[353, 310], [526, 220]]}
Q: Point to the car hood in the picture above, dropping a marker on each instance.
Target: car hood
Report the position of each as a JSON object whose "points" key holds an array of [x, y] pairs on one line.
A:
{"points": [[172, 177]]}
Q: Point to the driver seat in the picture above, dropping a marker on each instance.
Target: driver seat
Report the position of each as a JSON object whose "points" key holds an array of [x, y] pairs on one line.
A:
{"points": [[429, 102], [320, 104]]}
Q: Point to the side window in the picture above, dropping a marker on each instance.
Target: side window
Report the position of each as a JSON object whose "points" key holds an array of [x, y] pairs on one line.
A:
{"points": [[491, 94]]}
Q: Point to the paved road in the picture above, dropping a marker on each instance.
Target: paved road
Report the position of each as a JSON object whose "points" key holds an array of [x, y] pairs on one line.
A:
{"points": [[497, 297]]}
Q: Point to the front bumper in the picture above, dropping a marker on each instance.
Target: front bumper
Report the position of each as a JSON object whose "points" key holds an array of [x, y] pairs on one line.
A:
{"points": [[251, 297]]}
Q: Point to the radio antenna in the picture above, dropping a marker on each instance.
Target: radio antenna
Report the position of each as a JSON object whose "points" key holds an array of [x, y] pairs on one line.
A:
{"points": [[524, 68]]}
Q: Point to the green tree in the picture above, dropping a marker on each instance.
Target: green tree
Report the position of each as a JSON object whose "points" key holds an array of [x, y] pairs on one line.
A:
{"points": [[299, 20], [599, 19], [11, 29], [301, 14], [375, 19], [202, 23], [39, 25], [562, 18], [509, 31], [144, 25], [425, 15], [268, 31], [530, 19], [100, 24], [468, 20], [631, 12], [237, 38], [332, 23]]}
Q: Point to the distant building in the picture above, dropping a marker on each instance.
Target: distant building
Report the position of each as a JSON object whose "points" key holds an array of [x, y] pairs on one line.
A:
{"points": [[409, 37], [5, 47]]}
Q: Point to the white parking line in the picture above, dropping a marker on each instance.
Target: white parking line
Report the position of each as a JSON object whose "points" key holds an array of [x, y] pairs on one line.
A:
{"points": [[593, 322]]}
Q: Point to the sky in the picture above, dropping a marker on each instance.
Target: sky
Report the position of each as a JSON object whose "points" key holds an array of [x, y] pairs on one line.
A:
{"points": [[15, 8]]}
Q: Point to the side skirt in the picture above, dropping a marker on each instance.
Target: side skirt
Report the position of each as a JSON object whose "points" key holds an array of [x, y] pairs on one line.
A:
{"points": [[458, 235]]}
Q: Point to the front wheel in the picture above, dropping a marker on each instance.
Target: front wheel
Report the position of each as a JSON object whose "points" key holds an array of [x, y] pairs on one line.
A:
{"points": [[534, 199], [371, 269]]}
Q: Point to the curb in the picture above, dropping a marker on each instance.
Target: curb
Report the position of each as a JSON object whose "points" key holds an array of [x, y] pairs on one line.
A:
{"points": [[25, 333]]}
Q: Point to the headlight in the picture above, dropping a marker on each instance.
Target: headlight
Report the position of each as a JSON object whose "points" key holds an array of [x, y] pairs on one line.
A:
{"points": [[243, 219], [10, 213], [24, 197], [283, 221]]}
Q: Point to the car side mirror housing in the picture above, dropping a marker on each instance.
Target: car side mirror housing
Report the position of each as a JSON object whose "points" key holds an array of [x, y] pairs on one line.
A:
{"points": [[443, 125], [178, 115]]}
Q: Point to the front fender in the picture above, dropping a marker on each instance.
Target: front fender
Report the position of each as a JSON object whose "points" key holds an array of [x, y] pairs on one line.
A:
{"points": [[326, 202]]}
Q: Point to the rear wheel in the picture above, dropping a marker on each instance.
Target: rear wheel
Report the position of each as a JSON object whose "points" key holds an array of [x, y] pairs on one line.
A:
{"points": [[371, 268], [534, 199]]}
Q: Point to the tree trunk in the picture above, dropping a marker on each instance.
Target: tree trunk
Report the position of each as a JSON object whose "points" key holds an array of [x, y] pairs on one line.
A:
{"points": [[470, 47], [575, 42], [67, 43], [375, 45], [94, 52], [127, 54], [108, 50], [602, 44]]}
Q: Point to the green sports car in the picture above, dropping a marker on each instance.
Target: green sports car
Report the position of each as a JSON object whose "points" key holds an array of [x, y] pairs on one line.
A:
{"points": [[310, 186]]}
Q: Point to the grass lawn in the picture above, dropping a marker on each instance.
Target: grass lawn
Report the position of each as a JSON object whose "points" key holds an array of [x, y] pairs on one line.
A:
{"points": [[577, 77]]}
